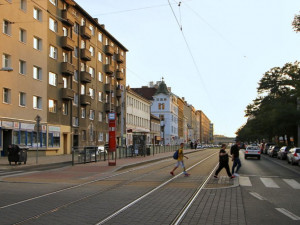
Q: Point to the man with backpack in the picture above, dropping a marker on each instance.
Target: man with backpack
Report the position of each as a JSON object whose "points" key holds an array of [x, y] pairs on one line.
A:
{"points": [[180, 161]]}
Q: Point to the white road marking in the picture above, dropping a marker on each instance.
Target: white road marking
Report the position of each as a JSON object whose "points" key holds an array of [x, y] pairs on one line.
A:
{"points": [[268, 182], [288, 213], [254, 194], [294, 184], [245, 181]]}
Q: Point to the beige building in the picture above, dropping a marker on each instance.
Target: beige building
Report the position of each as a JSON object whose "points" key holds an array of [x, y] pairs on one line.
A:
{"points": [[67, 68], [205, 130]]}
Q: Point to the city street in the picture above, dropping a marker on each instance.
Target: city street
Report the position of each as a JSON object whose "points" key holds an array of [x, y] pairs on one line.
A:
{"points": [[265, 192]]}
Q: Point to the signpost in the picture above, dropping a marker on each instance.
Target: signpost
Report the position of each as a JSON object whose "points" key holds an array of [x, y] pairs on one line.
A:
{"points": [[112, 139], [38, 120]]}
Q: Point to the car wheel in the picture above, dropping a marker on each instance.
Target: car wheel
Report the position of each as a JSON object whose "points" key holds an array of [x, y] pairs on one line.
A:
{"points": [[258, 157]]}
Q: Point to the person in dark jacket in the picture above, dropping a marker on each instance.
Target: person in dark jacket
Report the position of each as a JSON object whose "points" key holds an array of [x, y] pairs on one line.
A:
{"points": [[234, 151], [223, 162]]}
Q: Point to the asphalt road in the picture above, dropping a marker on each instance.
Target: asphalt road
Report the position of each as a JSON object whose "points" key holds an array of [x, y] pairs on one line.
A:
{"points": [[266, 192]]}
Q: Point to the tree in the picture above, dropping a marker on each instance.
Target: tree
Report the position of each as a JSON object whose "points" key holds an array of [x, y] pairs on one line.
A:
{"points": [[296, 23]]}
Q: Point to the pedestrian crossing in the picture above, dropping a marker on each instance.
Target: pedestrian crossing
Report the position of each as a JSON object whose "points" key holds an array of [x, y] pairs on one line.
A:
{"points": [[269, 182], [7, 173]]}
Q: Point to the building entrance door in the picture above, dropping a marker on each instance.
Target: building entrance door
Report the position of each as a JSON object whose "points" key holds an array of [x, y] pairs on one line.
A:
{"points": [[7, 140]]}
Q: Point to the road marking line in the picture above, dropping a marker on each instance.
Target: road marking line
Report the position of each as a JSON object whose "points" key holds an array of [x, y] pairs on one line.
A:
{"points": [[268, 182], [254, 194], [288, 213], [245, 181], [294, 184]]}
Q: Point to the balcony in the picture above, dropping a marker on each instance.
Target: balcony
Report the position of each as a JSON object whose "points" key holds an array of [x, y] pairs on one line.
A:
{"points": [[118, 110], [85, 77], [85, 100], [85, 32], [108, 69], [67, 68], [118, 93], [107, 107], [107, 88], [67, 94], [85, 54], [119, 75], [67, 43], [109, 50], [67, 18], [120, 58]]}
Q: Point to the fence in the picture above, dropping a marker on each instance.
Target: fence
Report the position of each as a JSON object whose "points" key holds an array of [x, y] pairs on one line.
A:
{"points": [[94, 153]]}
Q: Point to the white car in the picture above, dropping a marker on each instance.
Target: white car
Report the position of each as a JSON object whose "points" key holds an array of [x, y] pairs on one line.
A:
{"points": [[252, 151], [293, 156]]}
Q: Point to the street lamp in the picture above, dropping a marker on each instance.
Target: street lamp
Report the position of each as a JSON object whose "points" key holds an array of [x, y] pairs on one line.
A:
{"points": [[8, 69]]}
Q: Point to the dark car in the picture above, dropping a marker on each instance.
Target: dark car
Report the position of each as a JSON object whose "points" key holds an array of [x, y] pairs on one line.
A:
{"points": [[266, 147], [274, 151], [282, 153]]}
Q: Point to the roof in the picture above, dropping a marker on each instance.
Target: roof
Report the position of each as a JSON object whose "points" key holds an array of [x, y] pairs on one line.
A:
{"points": [[146, 92]]}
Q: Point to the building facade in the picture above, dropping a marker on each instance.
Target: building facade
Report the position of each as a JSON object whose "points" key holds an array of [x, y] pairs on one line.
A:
{"points": [[68, 69]]}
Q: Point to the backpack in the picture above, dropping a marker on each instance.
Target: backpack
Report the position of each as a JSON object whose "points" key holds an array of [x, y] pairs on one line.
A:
{"points": [[175, 156]]}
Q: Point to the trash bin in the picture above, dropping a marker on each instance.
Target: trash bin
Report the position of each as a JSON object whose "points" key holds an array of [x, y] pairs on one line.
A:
{"points": [[17, 154]]}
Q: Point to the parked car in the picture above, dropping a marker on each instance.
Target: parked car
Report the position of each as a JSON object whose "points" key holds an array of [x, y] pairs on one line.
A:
{"points": [[266, 147], [273, 151], [252, 151], [293, 156], [283, 152]]}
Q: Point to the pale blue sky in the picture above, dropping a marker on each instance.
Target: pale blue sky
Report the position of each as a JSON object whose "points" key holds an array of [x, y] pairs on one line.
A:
{"points": [[230, 45]]}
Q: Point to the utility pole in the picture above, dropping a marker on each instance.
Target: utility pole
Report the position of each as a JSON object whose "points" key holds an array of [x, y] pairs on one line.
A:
{"points": [[38, 120]]}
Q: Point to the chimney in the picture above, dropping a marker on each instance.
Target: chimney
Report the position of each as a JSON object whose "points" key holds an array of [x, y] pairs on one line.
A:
{"points": [[102, 25], [96, 19]]}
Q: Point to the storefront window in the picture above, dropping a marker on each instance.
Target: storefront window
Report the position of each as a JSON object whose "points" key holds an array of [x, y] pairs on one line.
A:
{"points": [[23, 138], [44, 139], [54, 139], [29, 138], [16, 137]]}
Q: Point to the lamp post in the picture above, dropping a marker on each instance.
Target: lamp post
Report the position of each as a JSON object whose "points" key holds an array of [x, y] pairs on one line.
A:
{"points": [[38, 120]]}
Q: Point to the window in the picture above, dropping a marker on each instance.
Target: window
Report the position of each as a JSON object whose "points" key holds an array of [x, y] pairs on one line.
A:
{"points": [[75, 77], [37, 14], [76, 52], [53, 52], [6, 27], [52, 25], [100, 96], [64, 107], [6, 60], [53, 2], [99, 56], [82, 89], [76, 28], [37, 73], [100, 116], [92, 114], [22, 36], [37, 43], [100, 76], [92, 72], [75, 121], [22, 67], [23, 5], [92, 30], [37, 102], [100, 137], [65, 31], [106, 118], [52, 79], [83, 135], [75, 101], [100, 37], [65, 82], [6, 95], [92, 93], [83, 112], [52, 106], [65, 57], [82, 44], [106, 79], [92, 51], [22, 99]]}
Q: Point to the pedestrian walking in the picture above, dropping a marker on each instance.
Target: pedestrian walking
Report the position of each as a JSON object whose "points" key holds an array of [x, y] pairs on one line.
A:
{"points": [[234, 151], [180, 161], [191, 145], [195, 145], [223, 162]]}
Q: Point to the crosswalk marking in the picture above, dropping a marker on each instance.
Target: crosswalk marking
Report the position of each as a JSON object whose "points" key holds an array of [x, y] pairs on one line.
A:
{"points": [[245, 181], [268, 182], [294, 184], [254, 194], [288, 213]]}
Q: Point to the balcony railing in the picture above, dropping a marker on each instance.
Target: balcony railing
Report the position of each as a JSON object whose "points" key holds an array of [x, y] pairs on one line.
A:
{"points": [[120, 58], [67, 43], [85, 99], [119, 75], [118, 110], [85, 54], [85, 77], [109, 50], [67, 94], [108, 69], [118, 93], [67, 68], [85, 32], [67, 18]]}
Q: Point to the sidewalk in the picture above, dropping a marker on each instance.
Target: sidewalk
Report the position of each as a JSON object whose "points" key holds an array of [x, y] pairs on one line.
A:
{"points": [[65, 160]]}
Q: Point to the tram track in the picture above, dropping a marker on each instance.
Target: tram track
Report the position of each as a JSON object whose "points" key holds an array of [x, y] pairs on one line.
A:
{"points": [[165, 164]]}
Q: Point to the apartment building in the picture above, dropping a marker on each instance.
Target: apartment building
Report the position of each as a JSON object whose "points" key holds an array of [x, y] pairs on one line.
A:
{"points": [[205, 131], [67, 68]]}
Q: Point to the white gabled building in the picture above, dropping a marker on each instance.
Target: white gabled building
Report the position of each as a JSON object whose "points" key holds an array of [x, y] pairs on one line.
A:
{"points": [[165, 107]]}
